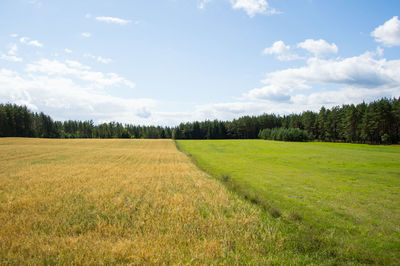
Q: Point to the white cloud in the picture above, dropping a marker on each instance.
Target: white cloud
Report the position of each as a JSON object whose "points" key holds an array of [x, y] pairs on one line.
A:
{"points": [[388, 33], [78, 71], [271, 93], [344, 95], [71, 90], [35, 3], [202, 3], [253, 7], [281, 50], [286, 98], [99, 58], [68, 51], [13, 50], [119, 21], [278, 47], [88, 15], [379, 51], [12, 54], [76, 64], [90, 56], [23, 39], [103, 60], [14, 35], [86, 34], [35, 43], [226, 111], [26, 40], [359, 73], [10, 58], [320, 82], [318, 47]]}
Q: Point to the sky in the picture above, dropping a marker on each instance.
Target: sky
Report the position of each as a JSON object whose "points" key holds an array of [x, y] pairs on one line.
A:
{"points": [[163, 62]]}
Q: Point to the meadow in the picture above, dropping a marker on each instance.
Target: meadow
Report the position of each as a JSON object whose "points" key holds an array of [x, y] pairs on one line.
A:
{"points": [[125, 202], [336, 201]]}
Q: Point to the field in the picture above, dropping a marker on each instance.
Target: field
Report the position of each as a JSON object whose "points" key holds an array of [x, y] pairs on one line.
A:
{"points": [[124, 201], [145, 202], [338, 201]]}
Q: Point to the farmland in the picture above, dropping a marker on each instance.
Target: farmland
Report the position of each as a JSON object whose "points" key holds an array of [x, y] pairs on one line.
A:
{"points": [[145, 202], [124, 201], [336, 200]]}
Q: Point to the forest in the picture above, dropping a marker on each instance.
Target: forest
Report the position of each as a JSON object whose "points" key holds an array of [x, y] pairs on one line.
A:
{"points": [[19, 121], [377, 122]]}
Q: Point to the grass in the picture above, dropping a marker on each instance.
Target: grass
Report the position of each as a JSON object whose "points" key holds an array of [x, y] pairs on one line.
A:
{"points": [[335, 202], [126, 202]]}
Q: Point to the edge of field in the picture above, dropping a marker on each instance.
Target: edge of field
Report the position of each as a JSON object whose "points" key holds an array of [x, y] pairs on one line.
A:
{"points": [[237, 188], [304, 239]]}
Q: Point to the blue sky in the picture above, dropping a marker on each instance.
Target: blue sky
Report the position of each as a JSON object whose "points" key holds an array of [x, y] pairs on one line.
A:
{"points": [[163, 62]]}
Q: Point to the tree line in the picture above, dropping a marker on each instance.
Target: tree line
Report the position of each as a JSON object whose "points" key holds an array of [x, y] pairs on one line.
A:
{"points": [[285, 134], [19, 121], [377, 122]]}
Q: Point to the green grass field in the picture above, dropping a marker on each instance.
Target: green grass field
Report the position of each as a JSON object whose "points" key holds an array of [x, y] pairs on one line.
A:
{"points": [[335, 201]]}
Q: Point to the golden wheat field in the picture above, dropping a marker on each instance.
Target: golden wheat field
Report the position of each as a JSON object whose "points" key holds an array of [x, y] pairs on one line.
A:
{"points": [[123, 201]]}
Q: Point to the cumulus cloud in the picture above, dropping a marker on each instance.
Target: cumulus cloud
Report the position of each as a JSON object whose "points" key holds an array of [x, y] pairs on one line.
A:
{"points": [[26, 40], [70, 90], [380, 51], [10, 58], [253, 7], [103, 60], [68, 51], [114, 20], [281, 50], [227, 111], [318, 47], [23, 39], [35, 43], [273, 93], [360, 73], [202, 3], [278, 47], [99, 58], [75, 64], [78, 71], [12, 54], [388, 33]]}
